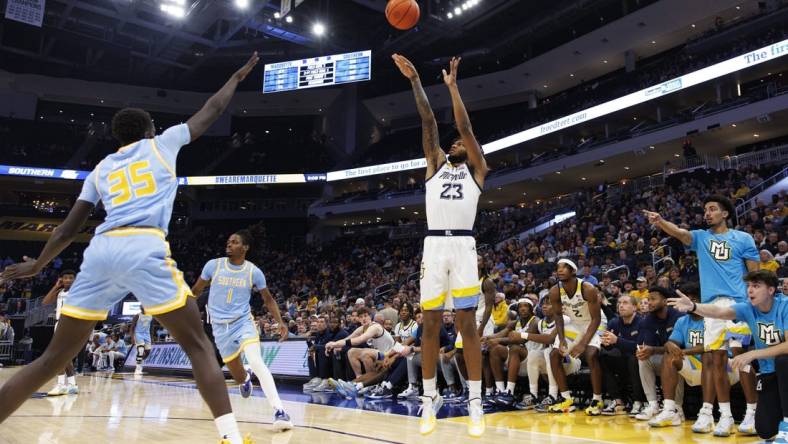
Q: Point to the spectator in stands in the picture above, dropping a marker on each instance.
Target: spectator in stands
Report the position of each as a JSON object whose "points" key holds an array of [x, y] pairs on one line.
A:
{"points": [[390, 313], [500, 311], [641, 292], [768, 262], [6, 330], [654, 332], [618, 360], [782, 253]]}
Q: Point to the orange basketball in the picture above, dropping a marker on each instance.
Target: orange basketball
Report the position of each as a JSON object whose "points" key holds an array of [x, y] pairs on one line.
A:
{"points": [[402, 14]]}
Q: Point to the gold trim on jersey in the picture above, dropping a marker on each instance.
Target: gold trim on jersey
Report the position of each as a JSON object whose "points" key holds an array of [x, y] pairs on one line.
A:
{"points": [[434, 303], [161, 159], [240, 349], [465, 292], [83, 313]]}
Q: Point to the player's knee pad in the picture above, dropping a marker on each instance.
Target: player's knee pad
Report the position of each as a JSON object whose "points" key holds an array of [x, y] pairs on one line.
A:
{"points": [[140, 353]]}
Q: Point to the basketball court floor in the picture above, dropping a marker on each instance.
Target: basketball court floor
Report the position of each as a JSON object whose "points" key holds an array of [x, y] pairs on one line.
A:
{"points": [[161, 409]]}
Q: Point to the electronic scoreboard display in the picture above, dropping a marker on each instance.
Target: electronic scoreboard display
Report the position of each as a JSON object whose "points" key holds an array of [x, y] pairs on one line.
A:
{"points": [[317, 71]]}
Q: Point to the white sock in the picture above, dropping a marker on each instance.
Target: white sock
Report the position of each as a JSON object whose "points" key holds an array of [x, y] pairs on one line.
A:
{"points": [[474, 389], [751, 407], [534, 389], [252, 353], [72, 380], [510, 387], [708, 407], [566, 395], [61, 379], [386, 384], [488, 391], [429, 388], [228, 428], [359, 386], [553, 391], [725, 409], [499, 386], [597, 397], [670, 404], [653, 405]]}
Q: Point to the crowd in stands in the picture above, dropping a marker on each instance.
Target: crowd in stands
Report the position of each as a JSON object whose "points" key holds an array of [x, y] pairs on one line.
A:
{"points": [[327, 291]]}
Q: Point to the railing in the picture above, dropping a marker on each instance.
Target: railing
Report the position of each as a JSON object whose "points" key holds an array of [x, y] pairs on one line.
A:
{"points": [[743, 206], [6, 351], [614, 272], [757, 158], [38, 313], [660, 255]]}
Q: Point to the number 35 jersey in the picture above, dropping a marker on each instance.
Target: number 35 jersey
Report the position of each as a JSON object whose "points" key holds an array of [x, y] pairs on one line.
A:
{"points": [[451, 200], [137, 184]]}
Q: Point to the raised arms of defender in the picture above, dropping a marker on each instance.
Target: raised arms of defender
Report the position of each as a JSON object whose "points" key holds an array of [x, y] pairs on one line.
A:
{"points": [[429, 128]]}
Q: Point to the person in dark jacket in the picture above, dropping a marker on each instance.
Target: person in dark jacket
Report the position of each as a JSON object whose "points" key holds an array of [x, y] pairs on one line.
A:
{"points": [[655, 330], [617, 357]]}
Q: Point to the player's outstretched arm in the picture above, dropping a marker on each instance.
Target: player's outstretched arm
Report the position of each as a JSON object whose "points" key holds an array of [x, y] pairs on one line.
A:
{"points": [[57, 242], [215, 106], [463, 122], [429, 128], [686, 305], [669, 227], [199, 286]]}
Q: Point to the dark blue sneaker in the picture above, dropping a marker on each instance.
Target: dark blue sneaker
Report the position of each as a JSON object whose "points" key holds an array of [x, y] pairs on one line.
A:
{"points": [[246, 387], [504, 399], [380, 392], [488, 402], [282, 421]]}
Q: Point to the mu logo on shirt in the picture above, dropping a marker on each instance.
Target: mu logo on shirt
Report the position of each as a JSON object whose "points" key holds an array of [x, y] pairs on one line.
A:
{"points": [[720, 250], [768, 335], [695, 337]]}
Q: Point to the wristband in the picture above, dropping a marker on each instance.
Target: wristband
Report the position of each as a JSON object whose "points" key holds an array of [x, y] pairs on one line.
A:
{"points": [[524, 335], [694, 307]]}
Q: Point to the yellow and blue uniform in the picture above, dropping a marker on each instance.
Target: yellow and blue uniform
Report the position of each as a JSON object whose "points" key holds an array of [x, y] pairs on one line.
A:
{"points": [[142, 330], [722, 266], [129, 253], [228, 304]]}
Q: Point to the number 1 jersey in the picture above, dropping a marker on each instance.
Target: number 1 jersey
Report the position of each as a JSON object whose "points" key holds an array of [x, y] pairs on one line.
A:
{"points": [[452, 196]]}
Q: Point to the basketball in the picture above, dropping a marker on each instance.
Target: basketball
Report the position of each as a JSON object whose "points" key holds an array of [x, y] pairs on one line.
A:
{"points": [[402, 14]]}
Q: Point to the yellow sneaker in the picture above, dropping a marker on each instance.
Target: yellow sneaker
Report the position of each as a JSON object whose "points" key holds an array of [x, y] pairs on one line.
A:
{"points": [[563, 406], [476, 423], [595, 409], [247, 440], [429, 409]]}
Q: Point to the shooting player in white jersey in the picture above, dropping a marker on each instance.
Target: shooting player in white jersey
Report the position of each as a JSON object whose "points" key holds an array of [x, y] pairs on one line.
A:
{"points": [[58, 294], [232, 279], [449, 275]]}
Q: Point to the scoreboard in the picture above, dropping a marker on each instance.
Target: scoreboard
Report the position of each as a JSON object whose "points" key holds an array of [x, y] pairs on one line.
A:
{"points": [[318, 71]]}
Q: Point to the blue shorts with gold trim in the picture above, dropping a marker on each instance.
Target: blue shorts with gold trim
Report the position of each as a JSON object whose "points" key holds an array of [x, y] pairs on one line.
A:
{"points": [[122, 261]]}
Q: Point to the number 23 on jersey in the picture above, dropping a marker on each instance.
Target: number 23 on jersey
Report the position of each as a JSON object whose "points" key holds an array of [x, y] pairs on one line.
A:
{"points": [[131, 181]]}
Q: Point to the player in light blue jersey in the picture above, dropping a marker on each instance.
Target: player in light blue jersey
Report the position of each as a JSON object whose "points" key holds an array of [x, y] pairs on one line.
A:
{"points": [[129, 254], [232, 280], [766, 312], [724, 257], [140, 328]]}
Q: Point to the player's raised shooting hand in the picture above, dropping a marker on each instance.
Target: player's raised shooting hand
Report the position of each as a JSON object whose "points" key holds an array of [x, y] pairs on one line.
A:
{"points": [[244, 71], [681, 303], [653, 217], [21, 270], [405, 67], [450, 79]]}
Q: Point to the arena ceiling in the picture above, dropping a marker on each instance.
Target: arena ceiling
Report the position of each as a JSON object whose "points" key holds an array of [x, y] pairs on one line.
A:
{"points": [[135, 42]]}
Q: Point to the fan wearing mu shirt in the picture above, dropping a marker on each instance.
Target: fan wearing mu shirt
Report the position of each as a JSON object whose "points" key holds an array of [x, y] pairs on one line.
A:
{"points": [[449, 277], [724, 257], [232, 279], [129, 254], [766, 313]]}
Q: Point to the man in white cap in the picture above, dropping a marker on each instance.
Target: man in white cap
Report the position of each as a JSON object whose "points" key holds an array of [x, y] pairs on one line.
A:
{"points": [[642, 289], [584, 309]]}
